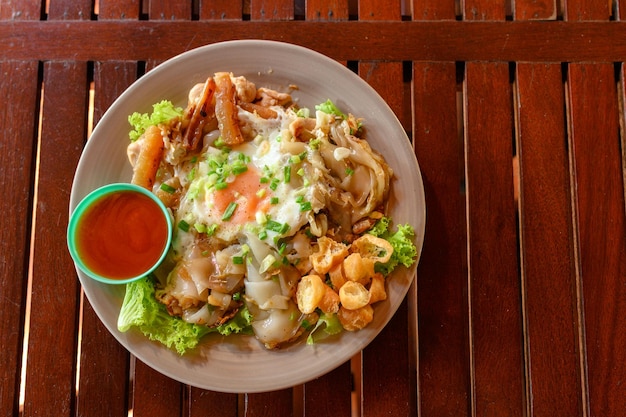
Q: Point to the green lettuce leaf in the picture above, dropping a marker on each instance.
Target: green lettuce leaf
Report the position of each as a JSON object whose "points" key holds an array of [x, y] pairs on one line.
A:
{"points": [[162, 112], [404, 251], [141, 309], [330, 325]]}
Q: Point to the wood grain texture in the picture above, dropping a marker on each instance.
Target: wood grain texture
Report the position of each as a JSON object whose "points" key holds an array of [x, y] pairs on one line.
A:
{"points": [[549, 272], [322, 10], [442, 273], [536, 41], [264, 10], [54, 318], [18, 147], [221, 10], [203, 403], [336, 387], [494, 285], [154, 394], [601, 229], [269, 404]]}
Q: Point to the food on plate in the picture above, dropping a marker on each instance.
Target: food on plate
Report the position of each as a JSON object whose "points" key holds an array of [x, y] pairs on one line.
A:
{"points": [[282, 230]]}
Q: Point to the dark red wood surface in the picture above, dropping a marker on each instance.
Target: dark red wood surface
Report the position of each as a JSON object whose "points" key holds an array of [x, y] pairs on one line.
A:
{"points": [[516, 114]]}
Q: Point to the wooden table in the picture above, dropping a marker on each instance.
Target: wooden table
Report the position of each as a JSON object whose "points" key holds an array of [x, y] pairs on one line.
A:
{"points": [[517, 119]]}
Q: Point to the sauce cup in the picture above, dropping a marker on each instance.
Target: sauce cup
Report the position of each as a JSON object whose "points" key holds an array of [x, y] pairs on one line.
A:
{"points": [[119, 233]]}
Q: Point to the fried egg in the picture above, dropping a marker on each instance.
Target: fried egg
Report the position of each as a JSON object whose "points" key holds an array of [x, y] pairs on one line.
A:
{"points": [[260, 186]]}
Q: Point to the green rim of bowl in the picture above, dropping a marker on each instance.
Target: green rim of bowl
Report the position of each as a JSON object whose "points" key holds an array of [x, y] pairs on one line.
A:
{"points": [[86, 202]]}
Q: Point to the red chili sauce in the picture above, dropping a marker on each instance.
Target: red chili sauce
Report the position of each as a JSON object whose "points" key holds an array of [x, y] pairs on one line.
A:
{"points": [[121, 235]]}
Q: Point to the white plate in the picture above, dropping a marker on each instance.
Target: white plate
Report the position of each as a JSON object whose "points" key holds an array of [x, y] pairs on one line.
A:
{"points": [[240, 363]]}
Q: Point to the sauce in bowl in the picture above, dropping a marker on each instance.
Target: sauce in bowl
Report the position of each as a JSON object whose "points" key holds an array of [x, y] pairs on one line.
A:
{"points": [[119, 233]]}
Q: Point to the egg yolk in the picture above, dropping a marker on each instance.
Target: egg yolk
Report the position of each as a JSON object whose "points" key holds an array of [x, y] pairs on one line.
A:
{"points": [[243, 190]]}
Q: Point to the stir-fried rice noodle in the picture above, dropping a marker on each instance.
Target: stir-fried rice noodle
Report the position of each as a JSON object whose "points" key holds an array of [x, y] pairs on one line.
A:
{"points": [[249, 212]]}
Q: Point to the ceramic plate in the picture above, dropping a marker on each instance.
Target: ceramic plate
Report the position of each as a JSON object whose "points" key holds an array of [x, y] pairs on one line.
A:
{"points": [[240, 363]]}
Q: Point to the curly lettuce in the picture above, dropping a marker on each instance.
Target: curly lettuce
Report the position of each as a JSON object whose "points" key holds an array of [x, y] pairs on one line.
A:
{"points": [[329, 324], [141, 309], [404, 251], [162, 112]]}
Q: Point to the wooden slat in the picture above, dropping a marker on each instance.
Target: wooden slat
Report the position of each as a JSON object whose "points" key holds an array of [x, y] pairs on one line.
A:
{"points": [[119, 9], [335, 388], [552, 320], [536, 10], [442, 273], [154, 394], [496, 334], [602, 230], [321, 10], [494, 285], [221, 10], [444, 380], [70, 9], [169, 10], [55, 290], [272, 10], [18, 144], [554, 41], [203, 403], [269, 404]]}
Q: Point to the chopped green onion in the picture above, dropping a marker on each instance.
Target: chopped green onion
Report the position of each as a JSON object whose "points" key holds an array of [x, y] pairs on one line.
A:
{"points": [[300, 172], [264, 180], [183, 225], [210, 230], [261, 193], [274, 184], [262, 235], [201, 228], [305, 206], [274, 200], [237, 296], [167, 188], [282, 248], [299, 199], [349, 171], [238, 260], [287, 173], [239, 169], [221, 185], [228, 213]]}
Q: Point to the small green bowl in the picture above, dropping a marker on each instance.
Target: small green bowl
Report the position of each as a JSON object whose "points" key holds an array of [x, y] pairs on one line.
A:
{"points": [[89, 202]]}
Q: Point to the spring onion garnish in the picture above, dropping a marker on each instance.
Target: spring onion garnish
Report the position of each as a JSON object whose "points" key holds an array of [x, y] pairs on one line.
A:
{"points": [[274, 184], [349, 171], [262, 235], [274, 200], [287, 173], [277, 227], [228, 213], [238, 260], [305, 206], [167, 188], [183, 225]]}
